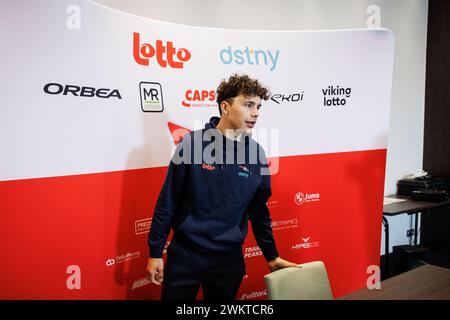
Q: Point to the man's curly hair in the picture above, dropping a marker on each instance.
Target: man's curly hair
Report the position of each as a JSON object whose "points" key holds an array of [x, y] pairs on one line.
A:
{"points": [[240, 84]]}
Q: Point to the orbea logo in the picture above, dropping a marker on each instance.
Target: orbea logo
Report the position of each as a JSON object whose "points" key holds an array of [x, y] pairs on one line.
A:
{"points": [[142, 226], [250, 56], [199, 98], [306, 244], [165, 53], [300, 198], [56, 88]]}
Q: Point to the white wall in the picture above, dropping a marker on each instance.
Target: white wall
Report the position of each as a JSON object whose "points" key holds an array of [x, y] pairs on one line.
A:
{"points": [[406, 18]]}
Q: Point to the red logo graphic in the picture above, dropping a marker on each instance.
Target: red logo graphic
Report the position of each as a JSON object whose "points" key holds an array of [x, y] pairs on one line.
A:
{"points": [[208, 167], [199, 98], [177, 132], [299, 198], [165, 53], [142, 226]]}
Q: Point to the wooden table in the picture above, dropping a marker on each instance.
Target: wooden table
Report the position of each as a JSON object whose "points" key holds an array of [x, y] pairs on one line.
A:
{"points": [[408, 206], [427, 282]]}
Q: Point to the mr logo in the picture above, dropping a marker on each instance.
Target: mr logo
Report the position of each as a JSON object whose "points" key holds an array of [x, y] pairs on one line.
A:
{"points": [[151, 97]]}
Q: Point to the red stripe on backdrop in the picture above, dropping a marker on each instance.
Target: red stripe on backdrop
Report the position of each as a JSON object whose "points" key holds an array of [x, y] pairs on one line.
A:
{"points": [[97, 222]]}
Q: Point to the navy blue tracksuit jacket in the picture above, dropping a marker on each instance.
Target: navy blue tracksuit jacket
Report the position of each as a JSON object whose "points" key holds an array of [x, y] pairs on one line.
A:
{"points": [[207, 200]]}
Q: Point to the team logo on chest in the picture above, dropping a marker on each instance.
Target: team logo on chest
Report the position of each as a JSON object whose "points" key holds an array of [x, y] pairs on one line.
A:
{"points": [[208, 167], [244, 171]]}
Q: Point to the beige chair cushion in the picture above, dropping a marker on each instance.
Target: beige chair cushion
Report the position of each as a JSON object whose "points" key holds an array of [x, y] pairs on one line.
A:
{"points": [[309, 282]]}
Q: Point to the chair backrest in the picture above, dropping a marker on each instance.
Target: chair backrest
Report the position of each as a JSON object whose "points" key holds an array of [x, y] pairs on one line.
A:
{"points": [[308, 282]]}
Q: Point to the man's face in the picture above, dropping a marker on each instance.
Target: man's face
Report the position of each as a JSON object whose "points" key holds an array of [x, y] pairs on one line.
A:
{"points": [[243, 113]]}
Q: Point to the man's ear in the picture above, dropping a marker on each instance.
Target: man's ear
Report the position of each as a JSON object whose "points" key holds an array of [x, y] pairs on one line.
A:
{"points": [[224, 106]]}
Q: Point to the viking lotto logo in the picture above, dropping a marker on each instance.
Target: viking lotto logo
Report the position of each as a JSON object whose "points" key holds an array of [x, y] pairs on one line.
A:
{"points": [[301, 198], [336, 96]]}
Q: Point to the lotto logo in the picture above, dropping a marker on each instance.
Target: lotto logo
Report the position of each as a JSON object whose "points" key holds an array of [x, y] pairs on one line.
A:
{"points": [[165, 53]]}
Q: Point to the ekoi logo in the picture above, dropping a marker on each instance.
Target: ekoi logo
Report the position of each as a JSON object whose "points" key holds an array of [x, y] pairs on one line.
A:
{"points": [[199, 98], [208, 167], [166, 54]]}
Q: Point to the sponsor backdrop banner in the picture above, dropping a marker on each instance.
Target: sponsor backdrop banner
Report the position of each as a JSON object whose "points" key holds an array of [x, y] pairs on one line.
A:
{"points": [[93, 102]]}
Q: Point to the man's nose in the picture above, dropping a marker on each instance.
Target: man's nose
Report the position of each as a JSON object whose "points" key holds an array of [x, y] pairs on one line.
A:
{"points": [[255, 112]]}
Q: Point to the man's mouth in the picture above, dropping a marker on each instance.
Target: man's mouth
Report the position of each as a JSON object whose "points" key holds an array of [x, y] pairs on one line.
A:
{"points": [[250, 124]]}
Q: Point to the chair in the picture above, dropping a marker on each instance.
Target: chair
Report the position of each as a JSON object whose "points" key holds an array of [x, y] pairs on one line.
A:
{"points": [[308, 282]]}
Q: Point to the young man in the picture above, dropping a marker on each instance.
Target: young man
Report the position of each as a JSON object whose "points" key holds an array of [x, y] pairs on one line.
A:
{"points": [[217, 180]]}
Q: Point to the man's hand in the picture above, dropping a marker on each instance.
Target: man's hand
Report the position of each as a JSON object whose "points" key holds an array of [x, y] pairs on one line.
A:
{"points": [[155, 269], [279, 263]]}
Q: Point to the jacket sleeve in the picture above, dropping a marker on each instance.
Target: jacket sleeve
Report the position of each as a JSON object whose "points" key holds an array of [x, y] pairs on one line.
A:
{"points": [[259, 216], [167, 202]]}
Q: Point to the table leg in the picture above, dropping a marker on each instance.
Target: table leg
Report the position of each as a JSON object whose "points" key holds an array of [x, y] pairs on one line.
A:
{"points": [[416, 229], [386, 246]]}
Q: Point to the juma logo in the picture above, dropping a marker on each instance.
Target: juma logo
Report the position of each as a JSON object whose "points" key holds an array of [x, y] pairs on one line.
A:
{"points": [[299, 198], [151, 97], [309, 197], [250, 56], [199, 98], [165, 53], [56, 88]]}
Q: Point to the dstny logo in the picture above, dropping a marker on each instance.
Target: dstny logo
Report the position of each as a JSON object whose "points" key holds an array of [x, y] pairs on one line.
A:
{"points": [[151, 97], [250, 56], [56, 88], [166, 54]]}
